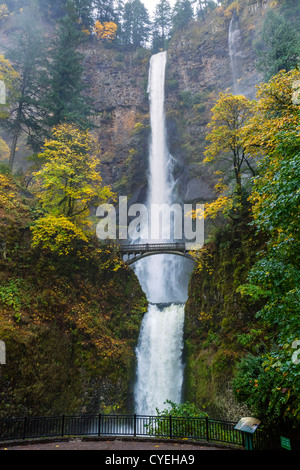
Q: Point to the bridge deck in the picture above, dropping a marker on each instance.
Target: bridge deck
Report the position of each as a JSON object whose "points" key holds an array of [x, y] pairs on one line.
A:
{"points": [[153, 247]]}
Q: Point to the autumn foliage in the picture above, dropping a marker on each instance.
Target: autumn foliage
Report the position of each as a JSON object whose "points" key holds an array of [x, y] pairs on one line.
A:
{"points": [[105, 31], [67, 185]]}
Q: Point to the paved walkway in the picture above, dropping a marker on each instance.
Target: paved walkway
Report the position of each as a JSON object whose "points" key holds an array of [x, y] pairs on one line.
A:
{"points": [[110, 445]]}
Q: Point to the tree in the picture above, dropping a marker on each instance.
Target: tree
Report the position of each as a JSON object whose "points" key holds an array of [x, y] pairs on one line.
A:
{"points": [[4, 150], [52, 10], [104, 10], [275, 277], [69, 176], [9, 82], [64, 99], [136, 25], [161, 24], [275, 112], [105, 31], [84, 10], [227, 150], [183, 410], [182, 14], [279, 47], [4, 12], [15, 214], [67, 186], [26, 54], [203, 6], [56, 9]]}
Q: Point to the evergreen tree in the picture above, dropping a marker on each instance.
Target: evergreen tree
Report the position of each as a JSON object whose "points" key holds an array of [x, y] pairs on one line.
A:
{"points": [[203, 6], [52, 10], [119, 13], [136, 25], [26, 53], [161, 25], [279, 47], [84, 11], [182, 14], [104, 10], [64, 99], [119, 10], [57, 9]]}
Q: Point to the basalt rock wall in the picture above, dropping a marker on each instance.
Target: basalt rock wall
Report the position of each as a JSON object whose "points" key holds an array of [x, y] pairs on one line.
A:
{"points": [[198, 68]]}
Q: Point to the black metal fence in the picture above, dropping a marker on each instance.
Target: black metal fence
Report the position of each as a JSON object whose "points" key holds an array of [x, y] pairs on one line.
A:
{"points": [[203, 429]]}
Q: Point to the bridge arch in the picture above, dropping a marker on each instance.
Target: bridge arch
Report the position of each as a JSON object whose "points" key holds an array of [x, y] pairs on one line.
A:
{"points": [[140, 251]]}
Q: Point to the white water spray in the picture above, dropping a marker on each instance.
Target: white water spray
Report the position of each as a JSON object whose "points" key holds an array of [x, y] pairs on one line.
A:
{"points": [[163, 277], [235, 52]]}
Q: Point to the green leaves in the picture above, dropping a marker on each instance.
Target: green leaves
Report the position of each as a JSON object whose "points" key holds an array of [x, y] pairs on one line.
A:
{"points": [[279, 46], [273, 390]]}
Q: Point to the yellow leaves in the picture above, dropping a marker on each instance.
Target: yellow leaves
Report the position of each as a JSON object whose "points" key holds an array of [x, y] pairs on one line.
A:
{"points": [[56, 233], [10, 79], [4, 150], [230, 114], [105, 31], [67, 185], [13, 211], [221, 205], [275, 112], [204, 316], [226, 145], [7, 72], [70, 177], [4, 12]]}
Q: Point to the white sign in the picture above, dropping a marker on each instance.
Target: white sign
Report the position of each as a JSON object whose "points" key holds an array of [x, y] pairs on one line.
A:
{"points": [[2, 92], [2, 353]]}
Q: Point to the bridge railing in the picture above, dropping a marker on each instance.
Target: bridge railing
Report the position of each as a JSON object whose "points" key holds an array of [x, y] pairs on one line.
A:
{"points": [[203, 429], [147, 247]]}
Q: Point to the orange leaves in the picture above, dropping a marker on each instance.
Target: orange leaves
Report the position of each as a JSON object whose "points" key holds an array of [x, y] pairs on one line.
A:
{"points": [[105, 31]]}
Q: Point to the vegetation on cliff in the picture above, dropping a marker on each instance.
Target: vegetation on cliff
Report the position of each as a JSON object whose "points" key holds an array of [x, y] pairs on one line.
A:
{"points": [[70, 308], [244, 295]]}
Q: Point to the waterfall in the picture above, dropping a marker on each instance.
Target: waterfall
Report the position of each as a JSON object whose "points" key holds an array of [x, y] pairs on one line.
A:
{"points": [[163, 277], [235, 52]]}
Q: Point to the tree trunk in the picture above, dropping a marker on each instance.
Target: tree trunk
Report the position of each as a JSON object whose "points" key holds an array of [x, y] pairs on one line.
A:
{"points": [[16, 134]]}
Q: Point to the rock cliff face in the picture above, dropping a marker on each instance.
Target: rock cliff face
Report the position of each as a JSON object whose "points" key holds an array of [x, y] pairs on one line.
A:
{"points": [[199, 67], [117, 84]]}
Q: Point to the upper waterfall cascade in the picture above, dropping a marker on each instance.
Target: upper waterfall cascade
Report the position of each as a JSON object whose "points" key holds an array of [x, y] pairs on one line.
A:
{"points": [[235, 52]]}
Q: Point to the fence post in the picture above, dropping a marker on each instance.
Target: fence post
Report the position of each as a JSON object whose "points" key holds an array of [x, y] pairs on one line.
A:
{"points": [[134, 425], [99, 424], [63, 426], [207, 429], [170, 421], [24, 428]]}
